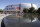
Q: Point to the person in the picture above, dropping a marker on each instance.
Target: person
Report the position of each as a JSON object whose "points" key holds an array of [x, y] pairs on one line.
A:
{"points": [[5, 12]]}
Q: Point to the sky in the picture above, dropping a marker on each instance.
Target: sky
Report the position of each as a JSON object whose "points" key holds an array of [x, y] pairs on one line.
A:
{"points": [[4, 3]]}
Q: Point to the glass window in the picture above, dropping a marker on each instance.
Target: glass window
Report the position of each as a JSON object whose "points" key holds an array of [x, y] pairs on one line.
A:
{"points": [[9, 5], [15, 5], [6, 8]]}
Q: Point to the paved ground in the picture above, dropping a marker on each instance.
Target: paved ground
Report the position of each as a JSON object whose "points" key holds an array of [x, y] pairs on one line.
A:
{"points": [[2, 16], [16, 22]]}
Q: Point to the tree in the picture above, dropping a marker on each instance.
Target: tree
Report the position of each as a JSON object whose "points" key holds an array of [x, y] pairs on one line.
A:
{"points": [[1, 10], [38, 11], [25, 10], [31, 10]]}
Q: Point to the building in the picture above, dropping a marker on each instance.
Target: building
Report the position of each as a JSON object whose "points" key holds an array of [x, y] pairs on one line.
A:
{"points": [[18, 7], [11, 8]]}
